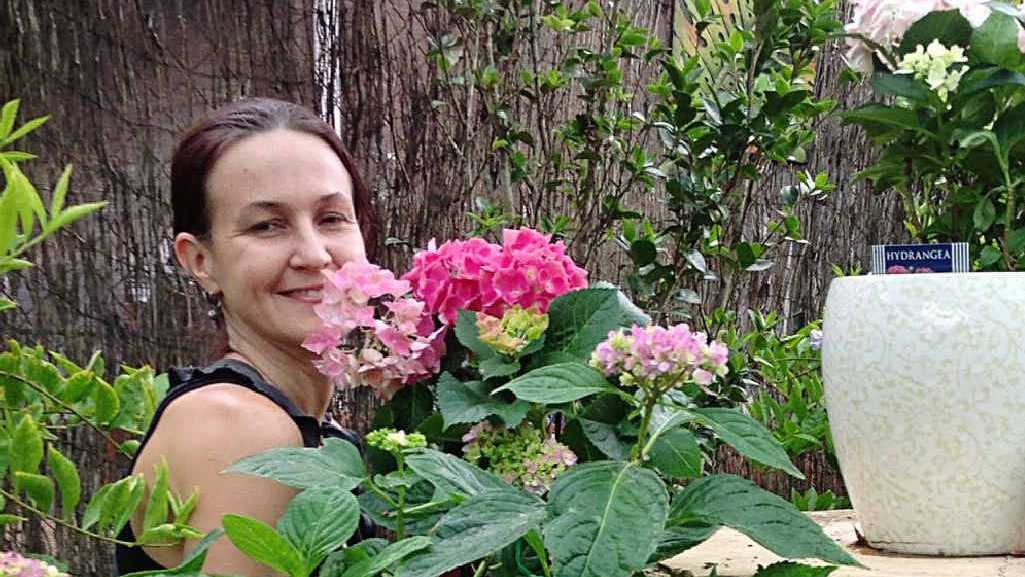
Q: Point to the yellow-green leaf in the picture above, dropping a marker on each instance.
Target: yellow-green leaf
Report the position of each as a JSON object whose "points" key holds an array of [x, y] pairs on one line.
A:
{"points": [[39, 489], [59, 192], [7, 116], [25, 129], [105, 401], [156, 506], [26, 446], [68, 482]]}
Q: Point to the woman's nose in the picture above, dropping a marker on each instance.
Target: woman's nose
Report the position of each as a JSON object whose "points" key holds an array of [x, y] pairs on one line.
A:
{"points": [[311, 251]]}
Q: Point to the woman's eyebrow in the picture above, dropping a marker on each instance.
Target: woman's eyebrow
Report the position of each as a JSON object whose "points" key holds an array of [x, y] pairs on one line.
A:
{"points": [[330, 197]]}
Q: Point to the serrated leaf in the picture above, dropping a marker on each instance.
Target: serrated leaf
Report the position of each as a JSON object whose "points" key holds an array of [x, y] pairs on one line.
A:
{"points": [[480, 526], [676, 454], [496, 366], [452, 474], [26, 449], [748, 437], [558, 383], [470, 402], [764, 517], [996, 41], [336, 464], [391, 554], [318, 521], [262, 543], [39, 489], [676, 540], [579, 320], [68, 482], [604, 519]]}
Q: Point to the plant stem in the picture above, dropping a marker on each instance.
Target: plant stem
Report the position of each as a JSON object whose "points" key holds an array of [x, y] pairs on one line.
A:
{"points": [[1008, 221], [480, 568], [380, 493], [400, 518], [642, 435], [68, 408], [43, 514]]}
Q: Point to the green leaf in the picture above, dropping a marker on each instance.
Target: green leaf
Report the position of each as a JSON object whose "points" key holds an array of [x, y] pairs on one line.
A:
{"points": [[989, 255], [996, 41], [1009, 127], [71, 214], [764, 517], [900, 85], [676, 454], [319, 521], [480, 526], [123, 501], [604, 519], [471, 402], [60, 191], [24, 129], [993, 77], [949, 27], [748, 437], [68, 482], [105, 402], [643, 252], [6, 519], [579, 320], [39, 489], [93, 511], [452, 474], [262, 543], [469, 336], [984, 215], [7, 117], [191, 565], [496, 366], [1016, 242], [26, 446], [157, 502], [604, 437], [391, 554], [78, 386], [558, 383], [885, 116], [791, 569], [336, 464], [676, 540], [7, 304]]}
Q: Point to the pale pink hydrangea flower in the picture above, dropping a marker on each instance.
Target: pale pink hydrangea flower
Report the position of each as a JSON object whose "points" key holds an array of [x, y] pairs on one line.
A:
{"points": [[15, 565], [528, 270], [885, 22], [661, 356], [394, 345]]}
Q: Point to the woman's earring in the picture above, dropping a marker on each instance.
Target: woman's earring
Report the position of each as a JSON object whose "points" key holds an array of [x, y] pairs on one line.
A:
{"points": [[214, 300]]}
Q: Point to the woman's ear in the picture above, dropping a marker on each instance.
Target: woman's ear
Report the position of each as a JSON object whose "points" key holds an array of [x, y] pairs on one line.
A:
{"points": [[195, 257]]}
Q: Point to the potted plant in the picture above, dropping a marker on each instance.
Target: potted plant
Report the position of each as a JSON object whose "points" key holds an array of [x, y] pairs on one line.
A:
{"points": [[924, 373]]}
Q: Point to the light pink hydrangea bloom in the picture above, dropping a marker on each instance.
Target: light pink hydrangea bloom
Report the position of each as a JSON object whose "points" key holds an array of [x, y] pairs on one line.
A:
{"points": [[885, 22], [528, 270], [395, 344], [14, 565], [661, 356]]}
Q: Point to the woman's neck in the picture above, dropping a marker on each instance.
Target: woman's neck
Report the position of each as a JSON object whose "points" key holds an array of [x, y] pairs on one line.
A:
{"points": [[290, 371]]}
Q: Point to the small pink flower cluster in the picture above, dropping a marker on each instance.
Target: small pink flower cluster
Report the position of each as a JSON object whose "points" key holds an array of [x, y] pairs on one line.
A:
{"points": [[898, 269], [394, 348], [661, 355], [14, 565], [528, 270]]}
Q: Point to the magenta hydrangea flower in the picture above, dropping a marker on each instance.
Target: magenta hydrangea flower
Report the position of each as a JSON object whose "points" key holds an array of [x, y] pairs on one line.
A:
{"points": [[14, 565], [661, 357], [373, 333], [527, 270]]}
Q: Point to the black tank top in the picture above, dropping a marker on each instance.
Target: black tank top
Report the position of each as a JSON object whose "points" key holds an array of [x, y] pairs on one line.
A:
{"points": [[181, 381]]}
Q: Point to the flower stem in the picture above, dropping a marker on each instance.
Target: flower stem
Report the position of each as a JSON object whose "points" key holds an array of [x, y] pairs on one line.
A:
{"points": [[642, 435], [400, 520]]}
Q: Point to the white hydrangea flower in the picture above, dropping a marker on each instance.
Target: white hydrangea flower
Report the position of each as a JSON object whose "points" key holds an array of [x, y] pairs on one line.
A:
{"points": [[933, 64]]}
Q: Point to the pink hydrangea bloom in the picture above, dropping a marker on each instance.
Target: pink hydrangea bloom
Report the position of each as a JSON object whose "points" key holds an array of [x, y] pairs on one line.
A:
{"points": [[661, 356], [15, 565], [527, 270], [362, 344]]}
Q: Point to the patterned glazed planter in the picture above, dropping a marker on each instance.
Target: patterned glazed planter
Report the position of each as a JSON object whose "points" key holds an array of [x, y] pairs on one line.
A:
{"points": [[925, 387]]}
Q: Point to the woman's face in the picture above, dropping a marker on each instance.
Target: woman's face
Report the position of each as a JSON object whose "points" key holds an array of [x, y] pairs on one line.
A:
{"points": [[281, 213]]}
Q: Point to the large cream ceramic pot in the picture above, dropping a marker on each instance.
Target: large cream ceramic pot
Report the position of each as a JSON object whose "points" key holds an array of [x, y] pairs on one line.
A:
{"points": [[925, 387]]}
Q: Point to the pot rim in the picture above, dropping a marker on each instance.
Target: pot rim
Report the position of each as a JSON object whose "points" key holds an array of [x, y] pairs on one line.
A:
{"points": [[930, 277]]}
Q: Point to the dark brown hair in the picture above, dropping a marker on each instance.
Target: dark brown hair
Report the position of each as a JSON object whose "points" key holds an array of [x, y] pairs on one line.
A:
{"points": [[204, 143]]}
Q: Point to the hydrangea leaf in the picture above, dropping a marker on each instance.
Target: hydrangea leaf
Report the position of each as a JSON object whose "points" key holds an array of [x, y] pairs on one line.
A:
{"points": [[558, 383], [336, 464], [470, 402], [579, 320], [604, 519]]}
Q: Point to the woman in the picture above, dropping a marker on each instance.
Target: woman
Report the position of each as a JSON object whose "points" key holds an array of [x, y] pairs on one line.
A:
{"points": [[265, 199]]}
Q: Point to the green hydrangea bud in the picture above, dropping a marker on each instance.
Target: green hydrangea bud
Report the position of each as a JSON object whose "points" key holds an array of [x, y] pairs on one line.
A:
{"points": [[395, 442], [517, 328]]}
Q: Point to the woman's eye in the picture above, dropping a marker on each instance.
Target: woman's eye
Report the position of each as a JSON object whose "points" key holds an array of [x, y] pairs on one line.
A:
{"points": [[266, 226], [336, 218]]}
